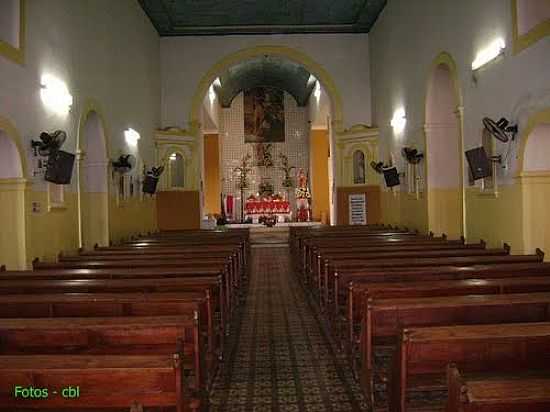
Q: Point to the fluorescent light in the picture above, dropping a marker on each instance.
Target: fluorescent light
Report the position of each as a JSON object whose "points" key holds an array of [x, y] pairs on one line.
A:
{"points": [[173, 156], [55, 94], [211, 93], [131, 137], [399, 120], [317, 91], [491, 52]]}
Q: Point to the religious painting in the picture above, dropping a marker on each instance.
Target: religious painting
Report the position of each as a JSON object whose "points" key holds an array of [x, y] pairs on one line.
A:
{"points": [[264, 115]]}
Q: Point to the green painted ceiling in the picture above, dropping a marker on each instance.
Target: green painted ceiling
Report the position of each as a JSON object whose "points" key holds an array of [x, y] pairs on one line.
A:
{"points": [[268, 71], [221, 17]]}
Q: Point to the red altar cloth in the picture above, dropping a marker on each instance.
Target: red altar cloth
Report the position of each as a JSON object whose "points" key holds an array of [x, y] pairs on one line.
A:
{"points": [[266, 207]]}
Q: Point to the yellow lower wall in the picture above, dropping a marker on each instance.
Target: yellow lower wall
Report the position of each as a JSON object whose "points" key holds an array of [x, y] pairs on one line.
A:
{"points": [[319, 150], [495, 219], [51, 232], [445, 212], [132, 217], [212, 184], [42, 233], [12, 224], [535, 189]]}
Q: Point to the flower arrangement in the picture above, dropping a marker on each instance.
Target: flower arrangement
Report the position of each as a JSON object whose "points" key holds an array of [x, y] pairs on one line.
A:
{"points": [[302, 193], [287, 180], [244, 170]]}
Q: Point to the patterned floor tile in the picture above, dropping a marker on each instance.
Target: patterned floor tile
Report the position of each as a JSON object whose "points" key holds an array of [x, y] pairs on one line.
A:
{"points": [[280, 359]]}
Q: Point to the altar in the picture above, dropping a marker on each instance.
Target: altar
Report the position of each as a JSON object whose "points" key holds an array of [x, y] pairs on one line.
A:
{"points": [[256, 207]]}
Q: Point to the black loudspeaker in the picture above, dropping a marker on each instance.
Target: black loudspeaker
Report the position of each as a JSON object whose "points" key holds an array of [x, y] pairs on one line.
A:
{"points": [[59, 169], [150, 184], [480, 165], [391, 177]]}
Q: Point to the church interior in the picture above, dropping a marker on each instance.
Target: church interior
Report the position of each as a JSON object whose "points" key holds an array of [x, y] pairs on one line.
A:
{"points": [[279, 206]]}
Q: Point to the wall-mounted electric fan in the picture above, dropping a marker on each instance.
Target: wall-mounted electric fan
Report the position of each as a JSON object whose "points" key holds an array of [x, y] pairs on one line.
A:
{"points": [[124, 164], [49, 143], [501, 130], [411, 155]]}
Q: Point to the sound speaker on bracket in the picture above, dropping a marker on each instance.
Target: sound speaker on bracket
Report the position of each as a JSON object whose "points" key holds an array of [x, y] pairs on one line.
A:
{"points": [[391, 176], [479, 163], [59, 169]]}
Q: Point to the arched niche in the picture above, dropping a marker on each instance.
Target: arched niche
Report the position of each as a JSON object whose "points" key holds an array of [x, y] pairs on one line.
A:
{"points": [[177, 160], [176, 171], [12, 199], [93, 178], [444, 147]]}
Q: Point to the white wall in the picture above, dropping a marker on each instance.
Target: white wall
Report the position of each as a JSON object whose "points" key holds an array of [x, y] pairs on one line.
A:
{"points": [[185, 60], [407, 38], [103, 49], [537, 151]]}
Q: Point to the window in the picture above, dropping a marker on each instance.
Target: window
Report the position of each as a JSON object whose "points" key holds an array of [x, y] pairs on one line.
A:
{"points": [[176, 171], [359, 168], [12, 24]]}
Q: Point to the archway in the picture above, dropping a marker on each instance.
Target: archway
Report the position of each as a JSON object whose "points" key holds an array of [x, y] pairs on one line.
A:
{"points": [[535, 180], [93, 182], [332, 124], [444, 165], [12, 199]]}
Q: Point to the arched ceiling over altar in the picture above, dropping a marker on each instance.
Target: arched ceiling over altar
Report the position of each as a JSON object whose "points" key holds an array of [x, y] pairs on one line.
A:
{"points": [[265, 71]]}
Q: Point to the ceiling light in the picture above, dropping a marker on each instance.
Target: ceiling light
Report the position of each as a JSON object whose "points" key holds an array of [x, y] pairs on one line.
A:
{"points": [[399, 120], [173, 156], [55, 94], [491, 52], [131, 137]]}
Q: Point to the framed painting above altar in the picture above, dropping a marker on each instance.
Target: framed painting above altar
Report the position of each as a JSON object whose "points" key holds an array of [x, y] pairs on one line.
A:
{"points": [[264, 115]]}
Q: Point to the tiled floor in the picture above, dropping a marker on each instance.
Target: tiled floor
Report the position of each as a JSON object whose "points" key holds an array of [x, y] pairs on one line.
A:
{"points": [[279, 358]]}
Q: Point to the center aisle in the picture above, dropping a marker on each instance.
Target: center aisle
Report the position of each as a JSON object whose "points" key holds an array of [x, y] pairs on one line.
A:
{"points": [[279, 358]]}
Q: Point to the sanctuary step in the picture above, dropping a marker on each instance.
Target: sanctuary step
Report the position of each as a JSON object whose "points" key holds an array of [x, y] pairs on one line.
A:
{"points": [[269, 236]]}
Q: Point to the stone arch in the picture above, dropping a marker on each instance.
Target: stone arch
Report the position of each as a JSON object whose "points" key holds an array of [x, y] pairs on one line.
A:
{"points": [[13, 174], [93, 178], [444, 166], [292, 54]]}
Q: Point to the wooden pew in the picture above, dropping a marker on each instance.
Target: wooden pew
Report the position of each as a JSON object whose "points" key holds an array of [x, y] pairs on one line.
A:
{"points": [[165, 335], [82, 305], [517, 392], [133, 273], [358, 297], [364, 259], [385, 318], [423, 354], [150, 264], [333, 284], [130, 382], [323, 254], [210, 287]]}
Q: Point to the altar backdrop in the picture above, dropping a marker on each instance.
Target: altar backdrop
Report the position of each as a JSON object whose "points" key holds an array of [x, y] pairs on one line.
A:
{"points": [[233, 146]]}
